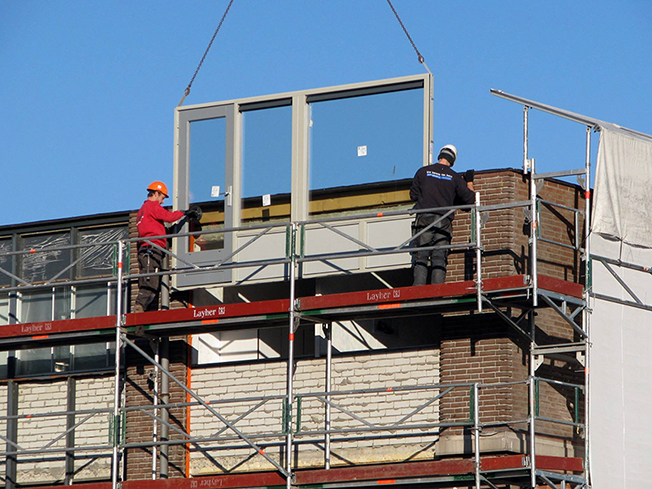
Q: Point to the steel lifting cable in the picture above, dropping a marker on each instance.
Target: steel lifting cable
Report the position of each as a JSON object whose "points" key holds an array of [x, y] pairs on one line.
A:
{"points": [[187, 91], [416, 50]]}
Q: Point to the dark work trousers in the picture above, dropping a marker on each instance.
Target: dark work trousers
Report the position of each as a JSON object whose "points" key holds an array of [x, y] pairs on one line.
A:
{"points": [[150, 260], [438, 235]]}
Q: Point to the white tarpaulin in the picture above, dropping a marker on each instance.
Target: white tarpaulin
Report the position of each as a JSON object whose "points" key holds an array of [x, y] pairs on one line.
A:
{"points": [[620, 366], [623, 183]]}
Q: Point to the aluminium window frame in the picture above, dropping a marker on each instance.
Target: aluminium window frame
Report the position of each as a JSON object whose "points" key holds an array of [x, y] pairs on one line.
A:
{"points": [[233, 110]]}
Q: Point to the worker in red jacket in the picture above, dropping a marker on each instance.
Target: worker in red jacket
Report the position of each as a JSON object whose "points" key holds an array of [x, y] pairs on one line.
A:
{"points": [[150, 222]]}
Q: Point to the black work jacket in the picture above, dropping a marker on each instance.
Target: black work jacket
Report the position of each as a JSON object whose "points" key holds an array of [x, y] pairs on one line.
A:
{"points": [[439, 186]]}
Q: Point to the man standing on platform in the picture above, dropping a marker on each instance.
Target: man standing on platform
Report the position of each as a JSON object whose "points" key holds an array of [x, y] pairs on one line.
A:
{"points": [[151, 222], [437, 186]]}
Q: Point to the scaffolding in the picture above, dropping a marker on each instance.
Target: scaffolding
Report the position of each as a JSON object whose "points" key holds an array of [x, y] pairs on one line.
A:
{"points": [[528, 292]]}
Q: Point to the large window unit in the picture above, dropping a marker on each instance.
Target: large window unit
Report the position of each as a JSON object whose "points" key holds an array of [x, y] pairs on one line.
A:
{"points": [[246, 156]]}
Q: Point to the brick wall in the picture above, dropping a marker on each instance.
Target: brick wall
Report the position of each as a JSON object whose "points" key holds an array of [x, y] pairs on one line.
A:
{"points": [[228, 386], [42, 427], [139, 392]]}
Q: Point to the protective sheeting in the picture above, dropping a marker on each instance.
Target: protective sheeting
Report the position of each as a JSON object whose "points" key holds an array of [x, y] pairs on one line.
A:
{"points": [[622, 193], [620, 366]]}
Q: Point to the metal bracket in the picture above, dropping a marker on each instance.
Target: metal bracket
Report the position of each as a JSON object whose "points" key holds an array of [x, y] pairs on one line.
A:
{"points": [[538, 361]]}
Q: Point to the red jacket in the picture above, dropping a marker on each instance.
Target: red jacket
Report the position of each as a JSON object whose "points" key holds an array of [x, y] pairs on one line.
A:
{"points": [[151, 217]]}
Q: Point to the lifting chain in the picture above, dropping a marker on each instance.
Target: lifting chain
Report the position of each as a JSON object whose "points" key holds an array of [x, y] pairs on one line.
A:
{"points": [[187, 91], [416, 50]]}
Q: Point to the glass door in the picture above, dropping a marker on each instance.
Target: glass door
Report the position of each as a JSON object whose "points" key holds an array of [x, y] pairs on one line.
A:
{"points": [[205, 178]]}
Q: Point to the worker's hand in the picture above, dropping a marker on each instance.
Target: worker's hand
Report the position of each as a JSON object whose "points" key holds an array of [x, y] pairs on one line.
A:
{"points": [[468, 175], [194, 213]]}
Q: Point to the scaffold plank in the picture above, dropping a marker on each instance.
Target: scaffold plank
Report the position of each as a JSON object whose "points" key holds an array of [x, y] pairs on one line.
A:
{"points": [[210, 314], [374, 474], [561, 286], [43, 330], [382, 299]]}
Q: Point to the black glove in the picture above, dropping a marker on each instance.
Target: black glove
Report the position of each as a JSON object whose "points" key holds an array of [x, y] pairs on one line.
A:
{"points": [[468, 175], [194, 213]]}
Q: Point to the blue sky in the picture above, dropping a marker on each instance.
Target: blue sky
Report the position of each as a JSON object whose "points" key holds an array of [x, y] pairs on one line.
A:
{"points": [[88, 88]]}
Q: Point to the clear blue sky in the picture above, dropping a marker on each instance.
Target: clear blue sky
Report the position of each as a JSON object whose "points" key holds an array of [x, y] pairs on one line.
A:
{"points": [[88, 88]]}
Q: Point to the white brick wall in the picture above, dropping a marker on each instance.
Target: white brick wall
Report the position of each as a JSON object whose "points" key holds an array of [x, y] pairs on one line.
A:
{"points": [[351, 372], [38, 433], [93, 394], [3, 427]]}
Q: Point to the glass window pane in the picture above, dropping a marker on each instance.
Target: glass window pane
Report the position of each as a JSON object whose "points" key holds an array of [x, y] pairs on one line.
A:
{"points": [[98, 260], [5, 261], [4, 309], [36, 306], [371, 138], [62, 303], [90, 301], [207, 159], [34, 361], [44, 264], [61, 358], [266, 158], [92, 357], [3, 364]]}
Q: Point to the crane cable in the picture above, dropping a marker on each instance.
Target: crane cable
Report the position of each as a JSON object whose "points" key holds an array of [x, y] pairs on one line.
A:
{"points": [[416, 50], [187, 91]]}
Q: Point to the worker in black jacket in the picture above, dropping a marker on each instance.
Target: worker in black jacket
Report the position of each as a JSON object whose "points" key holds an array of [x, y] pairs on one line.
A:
{"points": [[436, 186]]}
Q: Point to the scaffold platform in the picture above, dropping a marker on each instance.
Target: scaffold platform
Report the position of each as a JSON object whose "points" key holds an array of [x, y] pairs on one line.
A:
{"points": [[378, 302]]}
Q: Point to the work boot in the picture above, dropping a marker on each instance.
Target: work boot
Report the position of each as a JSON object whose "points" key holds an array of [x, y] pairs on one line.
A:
{"points": [[138, 308], [420, 274]]}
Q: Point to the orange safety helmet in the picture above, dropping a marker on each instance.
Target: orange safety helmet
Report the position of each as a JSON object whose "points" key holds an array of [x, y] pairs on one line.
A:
{"points": [[158, 186]]}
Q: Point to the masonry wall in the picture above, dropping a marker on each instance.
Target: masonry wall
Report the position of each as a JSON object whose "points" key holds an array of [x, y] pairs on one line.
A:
{"points": [[483, 348], [250, 395], [42, 425], [139, 424]]}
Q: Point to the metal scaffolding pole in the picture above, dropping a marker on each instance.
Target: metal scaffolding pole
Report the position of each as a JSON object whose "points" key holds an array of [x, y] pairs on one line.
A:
{"points": [[290, 370], [328, 329], [476, 429], [478, 250], [118, 359], [532, 402], [586, 313], [164, 353]]}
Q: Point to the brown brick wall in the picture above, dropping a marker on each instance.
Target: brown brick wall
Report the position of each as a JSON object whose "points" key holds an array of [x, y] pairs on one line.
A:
{"points": [[483, 348], [139, 391]]}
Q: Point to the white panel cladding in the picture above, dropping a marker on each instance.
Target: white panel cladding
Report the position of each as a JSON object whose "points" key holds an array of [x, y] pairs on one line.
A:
{"points": [[323, 241], [377, 232], [238, 393], [389, 232], [41, 433], [271, 246]]}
